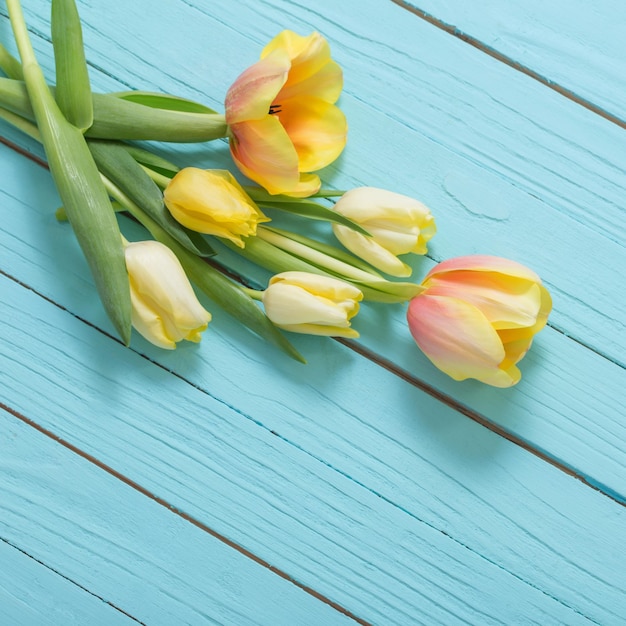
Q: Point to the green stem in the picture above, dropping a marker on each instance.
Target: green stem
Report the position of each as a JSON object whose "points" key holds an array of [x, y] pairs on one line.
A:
{"points": [[26, 126], [328, 193], [10, 65], [314, 256], [78, 183], [234, 299], [160, 179], [116, 118], [253, 293]]}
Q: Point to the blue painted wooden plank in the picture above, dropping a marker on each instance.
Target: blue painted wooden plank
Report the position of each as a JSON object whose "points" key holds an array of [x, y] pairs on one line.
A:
{"points": [[122, 546], [30, 593], [551, 409], [573, 44], [486, 149], [388, 502]]}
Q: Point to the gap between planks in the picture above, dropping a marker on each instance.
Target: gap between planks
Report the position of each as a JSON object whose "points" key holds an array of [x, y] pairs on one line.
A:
{"points": [[503, 58], [381, 362], [172, 509], [365, 353], [69, 580]]}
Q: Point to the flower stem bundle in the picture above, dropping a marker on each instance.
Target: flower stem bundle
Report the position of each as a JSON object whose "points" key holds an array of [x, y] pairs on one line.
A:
{"points": [[473, 317]]}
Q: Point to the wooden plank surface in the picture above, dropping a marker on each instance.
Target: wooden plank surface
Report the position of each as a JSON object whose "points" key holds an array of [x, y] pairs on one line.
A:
{"points": [[508, 144], [31, 593], [382, 499], [128, 549], [306, 491], [576, 47]]}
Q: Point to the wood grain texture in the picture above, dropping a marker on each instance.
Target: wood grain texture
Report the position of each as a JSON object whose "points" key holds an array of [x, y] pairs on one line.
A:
{"points": [[398, 507], [514, 212], [574, 45], [342, 474], [33, 594], [124, 547]]}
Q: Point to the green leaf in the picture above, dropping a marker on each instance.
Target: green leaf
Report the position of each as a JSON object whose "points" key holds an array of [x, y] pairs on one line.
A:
{"points": [[73, 92], [14, 97], [163, 101], [152, 161], [237, 303], [78, 181], [313, 210], [277, 260], [115, 118], [115, 162], [224, 292]]}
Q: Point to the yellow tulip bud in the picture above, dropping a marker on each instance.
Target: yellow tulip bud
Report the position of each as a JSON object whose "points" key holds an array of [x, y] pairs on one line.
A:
{"points": [[308, 303], [397, 225], [214, 203], [165, 309]]}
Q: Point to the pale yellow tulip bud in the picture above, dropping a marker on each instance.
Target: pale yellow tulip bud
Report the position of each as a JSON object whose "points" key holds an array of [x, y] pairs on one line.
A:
{"points": [[397, 225], [308, 303], [165, 308], [214, 203]]}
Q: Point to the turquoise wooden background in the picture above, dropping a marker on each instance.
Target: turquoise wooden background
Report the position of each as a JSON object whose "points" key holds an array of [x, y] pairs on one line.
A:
{"points": [[221, 483]]}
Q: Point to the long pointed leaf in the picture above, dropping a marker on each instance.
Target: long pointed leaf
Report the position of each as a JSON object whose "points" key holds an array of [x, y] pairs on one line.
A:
{"points": [[163, 101], [114, 161], [73, 91], [78, 181], [315, 211]]}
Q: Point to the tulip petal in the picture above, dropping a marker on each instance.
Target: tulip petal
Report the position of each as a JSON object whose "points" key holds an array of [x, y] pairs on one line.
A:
{"points": [[264, 153], [459, 340], [326, 286], [485, 263], [148, 323], [369, 250], [165, 309], [317, 129], [506, 301], [316, 329], [309, 54], [326, 84], [308, 185], [290, 304], [212, 202], [252, 93]]}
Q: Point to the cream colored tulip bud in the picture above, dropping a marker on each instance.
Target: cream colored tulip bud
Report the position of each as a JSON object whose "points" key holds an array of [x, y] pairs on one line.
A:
{"points": [[165, 308], [397, 225], [308, 303], [214, 203]]}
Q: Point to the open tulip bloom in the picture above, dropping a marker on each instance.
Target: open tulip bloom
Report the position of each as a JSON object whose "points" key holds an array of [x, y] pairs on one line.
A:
{"points": [[473, 317], [281, 114], [477, 317]]}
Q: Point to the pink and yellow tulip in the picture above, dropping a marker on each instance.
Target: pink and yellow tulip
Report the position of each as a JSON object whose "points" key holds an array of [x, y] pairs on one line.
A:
{"points": [[281, 113], [477, 317]]}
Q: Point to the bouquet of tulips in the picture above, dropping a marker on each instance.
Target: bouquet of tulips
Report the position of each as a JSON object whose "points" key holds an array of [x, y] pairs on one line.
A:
{"points": [[473, 317]]}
